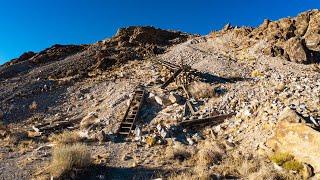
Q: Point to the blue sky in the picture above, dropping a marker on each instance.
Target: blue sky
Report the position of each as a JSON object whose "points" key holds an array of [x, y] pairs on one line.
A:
{"points": [[37, 24]]}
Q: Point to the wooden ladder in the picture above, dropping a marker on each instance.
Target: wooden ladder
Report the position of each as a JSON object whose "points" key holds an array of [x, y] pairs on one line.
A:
{"points": [[131, 115]]}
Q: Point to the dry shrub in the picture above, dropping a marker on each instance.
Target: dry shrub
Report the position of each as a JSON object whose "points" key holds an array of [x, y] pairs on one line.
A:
{"points": [[253, 169], [210, 153], [201, 90], [268, 172], [238, 165], [66, 137], [182, 176], [66, 158], [178, 152]]}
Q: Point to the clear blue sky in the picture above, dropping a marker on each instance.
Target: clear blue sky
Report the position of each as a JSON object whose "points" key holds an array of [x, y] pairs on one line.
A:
{"points": [[37, 24]]}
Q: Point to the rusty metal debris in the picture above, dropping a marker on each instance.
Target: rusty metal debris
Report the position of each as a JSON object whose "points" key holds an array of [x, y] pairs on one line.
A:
{"points": [[132, 113]]}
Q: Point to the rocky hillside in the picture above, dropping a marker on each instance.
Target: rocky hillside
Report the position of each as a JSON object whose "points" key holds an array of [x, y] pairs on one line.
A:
{"points": [[241, 102]]}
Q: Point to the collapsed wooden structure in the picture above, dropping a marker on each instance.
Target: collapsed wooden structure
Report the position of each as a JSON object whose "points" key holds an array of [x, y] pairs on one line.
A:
{"points": [[183, 75]]}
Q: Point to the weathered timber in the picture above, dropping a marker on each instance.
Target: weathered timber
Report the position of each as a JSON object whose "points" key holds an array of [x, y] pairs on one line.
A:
{"points": [[193, 112], [205, 121], [176, 73]]}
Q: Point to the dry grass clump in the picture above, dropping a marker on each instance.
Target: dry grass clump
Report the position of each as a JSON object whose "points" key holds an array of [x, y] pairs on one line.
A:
{"points": [[178, 152], [253, 169], [201, 90], [66, 137], [66, 158], [238, 165], [268, 172], [183, 176], [210, 153]]}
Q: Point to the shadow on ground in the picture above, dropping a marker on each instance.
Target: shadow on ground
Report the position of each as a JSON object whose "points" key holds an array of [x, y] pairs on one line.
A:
{"points": [[118, 173]]}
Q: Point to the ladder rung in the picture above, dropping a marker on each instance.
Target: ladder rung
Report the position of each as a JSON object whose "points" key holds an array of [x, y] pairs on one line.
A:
{"points": [[124, 133], [126, 123]]}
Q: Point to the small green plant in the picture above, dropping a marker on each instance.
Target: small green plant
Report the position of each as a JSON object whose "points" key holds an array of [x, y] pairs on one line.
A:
{"points": [[281, 158], [293, 165], [287, 161]]}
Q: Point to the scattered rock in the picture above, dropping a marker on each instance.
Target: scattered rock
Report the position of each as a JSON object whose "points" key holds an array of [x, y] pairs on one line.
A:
{"points": [[159, 100], [174, 98], [101, 136], [88, 120]]}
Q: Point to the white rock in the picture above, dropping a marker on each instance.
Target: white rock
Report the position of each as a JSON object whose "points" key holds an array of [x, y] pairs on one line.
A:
{"points": [[151, 95], [83, 133], [163, 133], [158, 100], [190, 141], [137, 133]]}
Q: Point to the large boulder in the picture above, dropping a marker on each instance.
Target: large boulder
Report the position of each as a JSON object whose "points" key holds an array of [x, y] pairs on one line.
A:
{"points": [[297, 139], [302, 23], [296, 50], [312, 35]]}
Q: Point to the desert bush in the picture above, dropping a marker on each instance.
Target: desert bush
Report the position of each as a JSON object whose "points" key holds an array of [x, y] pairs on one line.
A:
{"points": [[178, 152], [66, 158], [182, 176], [210, 153]]}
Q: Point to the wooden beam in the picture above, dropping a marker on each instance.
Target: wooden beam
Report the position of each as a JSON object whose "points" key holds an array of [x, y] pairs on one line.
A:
{"points": [[193, 112], [175, 74], [205, 121]]}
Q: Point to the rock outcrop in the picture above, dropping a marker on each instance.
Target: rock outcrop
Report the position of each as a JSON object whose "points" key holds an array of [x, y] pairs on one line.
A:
{"points": [[297, 139], [295, 39]]}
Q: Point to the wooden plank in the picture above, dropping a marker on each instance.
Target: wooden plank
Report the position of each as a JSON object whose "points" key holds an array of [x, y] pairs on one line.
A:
{"points": [[176, 73], [205, 121], [186, 91], [193, 112]]}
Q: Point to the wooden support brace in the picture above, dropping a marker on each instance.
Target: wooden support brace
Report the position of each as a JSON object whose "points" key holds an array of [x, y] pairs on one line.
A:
{"points": [[193, 112], [176, 73]]}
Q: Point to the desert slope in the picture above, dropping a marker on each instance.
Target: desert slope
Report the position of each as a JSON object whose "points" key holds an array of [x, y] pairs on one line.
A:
{"points": [[74, 97]]}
